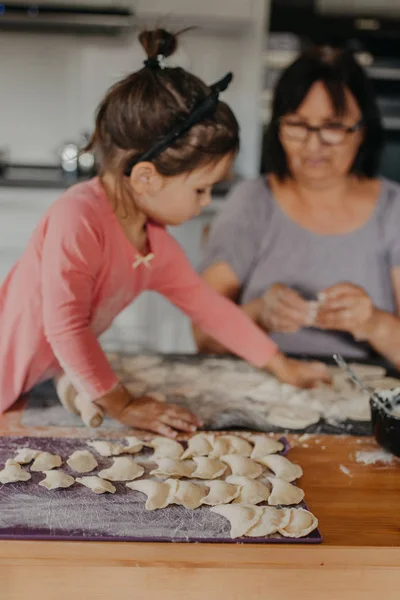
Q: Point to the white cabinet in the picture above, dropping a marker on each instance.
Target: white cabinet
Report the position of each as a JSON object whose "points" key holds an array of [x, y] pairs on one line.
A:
{"points": [[210, 13], [20, 211]]}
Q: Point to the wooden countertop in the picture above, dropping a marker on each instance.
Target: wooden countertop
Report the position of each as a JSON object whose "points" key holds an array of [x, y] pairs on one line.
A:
{"points": [[358, 507]]}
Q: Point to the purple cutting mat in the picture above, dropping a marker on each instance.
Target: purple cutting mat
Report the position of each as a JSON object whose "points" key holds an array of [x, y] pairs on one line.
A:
{"points": [[30, 512]]}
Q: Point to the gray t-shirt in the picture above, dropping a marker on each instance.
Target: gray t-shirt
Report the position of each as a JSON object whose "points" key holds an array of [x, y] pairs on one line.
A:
{"points": [[264, 246]]}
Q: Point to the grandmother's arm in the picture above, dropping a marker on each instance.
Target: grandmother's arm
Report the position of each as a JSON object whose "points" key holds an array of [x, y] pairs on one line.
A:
{"points": [[223, 280], [383, 329]]}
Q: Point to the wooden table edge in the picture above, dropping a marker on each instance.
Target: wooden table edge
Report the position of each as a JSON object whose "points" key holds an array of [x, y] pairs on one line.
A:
{"points": [[191, 555]]}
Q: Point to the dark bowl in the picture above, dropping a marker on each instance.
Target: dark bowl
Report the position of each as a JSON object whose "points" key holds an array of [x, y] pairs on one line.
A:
{"points": [[386, 426]]}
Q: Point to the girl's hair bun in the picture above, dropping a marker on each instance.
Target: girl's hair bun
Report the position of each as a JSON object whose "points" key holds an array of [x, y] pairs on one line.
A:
{"points": [[158, 41]]}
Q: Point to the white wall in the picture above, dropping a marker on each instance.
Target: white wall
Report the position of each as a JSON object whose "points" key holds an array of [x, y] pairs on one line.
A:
{"points": [[51, 84]]}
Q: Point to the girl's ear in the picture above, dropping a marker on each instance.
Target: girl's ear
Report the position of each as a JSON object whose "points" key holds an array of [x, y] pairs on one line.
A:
{"points": [[145, 179]]}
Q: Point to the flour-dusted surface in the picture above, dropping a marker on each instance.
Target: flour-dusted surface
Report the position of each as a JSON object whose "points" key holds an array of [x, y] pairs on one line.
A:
{"points": [[76, 513], [226, 394]]}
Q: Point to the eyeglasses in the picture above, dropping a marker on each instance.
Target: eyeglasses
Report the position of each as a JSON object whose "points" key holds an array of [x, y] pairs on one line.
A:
{"points": [[331, 134]]}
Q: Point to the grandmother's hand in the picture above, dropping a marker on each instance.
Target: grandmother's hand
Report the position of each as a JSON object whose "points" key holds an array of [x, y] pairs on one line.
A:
{"points": [[345, 307], [284, 310]]}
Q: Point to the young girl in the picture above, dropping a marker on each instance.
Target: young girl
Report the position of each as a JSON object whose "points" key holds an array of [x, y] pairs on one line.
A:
{"points": [[163, 139]]}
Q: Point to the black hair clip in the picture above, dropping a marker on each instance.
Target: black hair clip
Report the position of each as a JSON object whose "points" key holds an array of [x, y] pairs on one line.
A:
{"points": [[155, 62], [204, 109]]}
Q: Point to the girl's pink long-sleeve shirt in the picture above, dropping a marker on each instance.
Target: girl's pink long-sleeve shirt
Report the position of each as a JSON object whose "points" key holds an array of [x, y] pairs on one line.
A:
{"points": [[78, 272]]}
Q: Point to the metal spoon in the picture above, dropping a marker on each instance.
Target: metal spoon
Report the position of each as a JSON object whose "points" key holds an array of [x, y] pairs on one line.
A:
{"points": [[371, 392]]}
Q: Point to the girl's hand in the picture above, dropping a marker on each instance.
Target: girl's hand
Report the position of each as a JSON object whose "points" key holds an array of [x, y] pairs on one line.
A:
{"points": [[284, 310], [346, 307], [147, 413], [298, 373]]}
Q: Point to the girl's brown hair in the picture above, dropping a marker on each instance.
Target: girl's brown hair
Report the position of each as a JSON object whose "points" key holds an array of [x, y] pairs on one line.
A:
{"points": [[146, 105]]}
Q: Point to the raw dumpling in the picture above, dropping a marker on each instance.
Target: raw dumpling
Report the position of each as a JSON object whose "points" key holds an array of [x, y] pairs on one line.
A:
{"points": [[198, 445], [106, 448], [284, 492], [165, 448], [292, 417], [230, 444], [170, 467], [124, 468], [159, 495], [26, 455], [251, 492], [271, 520], [242, 517], [221, 492], [264, 445], [82, 461], [13, 472], [134, 445], [241, 465], [301, 523], [189, 494], [97, 485], [207, 468], [46, 461], [281, 467], [56, 479]]}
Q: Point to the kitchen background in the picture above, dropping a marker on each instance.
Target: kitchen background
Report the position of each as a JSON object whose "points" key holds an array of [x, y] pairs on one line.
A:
{"points": [[58, 58]]}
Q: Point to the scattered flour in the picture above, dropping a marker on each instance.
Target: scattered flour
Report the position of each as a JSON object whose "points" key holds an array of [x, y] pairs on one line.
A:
{"points": [[345, 470], [374, 456]]}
